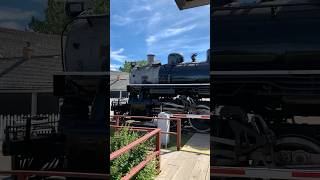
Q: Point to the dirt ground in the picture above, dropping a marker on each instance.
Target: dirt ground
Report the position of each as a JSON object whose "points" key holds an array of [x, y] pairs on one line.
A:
{"points": [[5, 165], [307, 120]]}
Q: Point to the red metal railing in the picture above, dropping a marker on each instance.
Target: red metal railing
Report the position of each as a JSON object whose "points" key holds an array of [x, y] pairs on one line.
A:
{"points": [[267, 173], [23, 175], [178, 127], [151, 132]]}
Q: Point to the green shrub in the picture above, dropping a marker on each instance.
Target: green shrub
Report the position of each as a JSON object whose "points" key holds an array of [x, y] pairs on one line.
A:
{"points": [[123, 164]]}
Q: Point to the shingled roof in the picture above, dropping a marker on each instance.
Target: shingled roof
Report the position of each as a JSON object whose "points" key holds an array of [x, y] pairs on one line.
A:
{"points": [[35, 74], [118, 81], [19, 74], [12, 42]]}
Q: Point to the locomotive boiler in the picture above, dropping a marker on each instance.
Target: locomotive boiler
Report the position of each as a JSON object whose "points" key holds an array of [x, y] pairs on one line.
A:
{"points": [[175, 87], [79, 141], [265, 75], [175, 72]]}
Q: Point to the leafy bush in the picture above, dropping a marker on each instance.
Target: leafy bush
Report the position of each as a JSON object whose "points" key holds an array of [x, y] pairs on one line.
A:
{"points": [[123, 164]]}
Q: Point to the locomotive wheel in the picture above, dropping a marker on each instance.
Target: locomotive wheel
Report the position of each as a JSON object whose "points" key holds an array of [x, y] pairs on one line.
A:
{"points": [[300, 146], [201, 125]]}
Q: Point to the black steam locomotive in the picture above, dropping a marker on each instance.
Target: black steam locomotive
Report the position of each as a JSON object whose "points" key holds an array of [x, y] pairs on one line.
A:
{"points": [[265, 74], [175, 87], [78, 141]]}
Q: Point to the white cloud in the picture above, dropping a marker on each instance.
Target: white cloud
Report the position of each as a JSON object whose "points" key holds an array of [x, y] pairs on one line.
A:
{"points": [[115, 67], [139, 8], [185, 44], [117, 55], [151, 39], [120, 20], [166, 29], [168, 33], [192, 17], [15, 14], [125, 20], [178, 31], [154, 19]]}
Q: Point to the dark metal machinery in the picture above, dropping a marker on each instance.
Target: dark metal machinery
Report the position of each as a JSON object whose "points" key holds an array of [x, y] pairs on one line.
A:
{"points": [[175, 87], [80, 141], [265, 72]]}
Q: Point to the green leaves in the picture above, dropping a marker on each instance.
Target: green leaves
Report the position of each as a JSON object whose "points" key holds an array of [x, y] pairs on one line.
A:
{"points": [[101, 6], [56, 19], [127, 66], [123, 164]]}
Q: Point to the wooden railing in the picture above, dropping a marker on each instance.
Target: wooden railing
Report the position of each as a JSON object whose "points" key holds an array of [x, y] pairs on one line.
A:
{"points": [[155, 154], [178, 127], [23, 175]]}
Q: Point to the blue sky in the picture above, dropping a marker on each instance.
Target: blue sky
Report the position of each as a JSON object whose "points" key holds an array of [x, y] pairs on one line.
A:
{"points": [[16, 14], [140, 27]]}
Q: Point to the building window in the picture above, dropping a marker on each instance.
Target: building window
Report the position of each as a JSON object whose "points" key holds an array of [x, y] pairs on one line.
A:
{"points": [[124, 94], [114, 94]]}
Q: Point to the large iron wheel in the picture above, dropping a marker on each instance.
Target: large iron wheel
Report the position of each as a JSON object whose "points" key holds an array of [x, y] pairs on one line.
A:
{"points": [[201, 125]]}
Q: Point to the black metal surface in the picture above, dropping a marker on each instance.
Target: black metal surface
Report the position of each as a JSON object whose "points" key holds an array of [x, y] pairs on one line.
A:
{"points": [[258, 53], [256, 39], [225, 5], [80, 141], [187, 73], [86, 131]]}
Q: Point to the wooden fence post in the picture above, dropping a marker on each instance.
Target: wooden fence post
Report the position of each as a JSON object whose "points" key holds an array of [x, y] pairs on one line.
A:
{"points": [[178, 134], [158, 146]]}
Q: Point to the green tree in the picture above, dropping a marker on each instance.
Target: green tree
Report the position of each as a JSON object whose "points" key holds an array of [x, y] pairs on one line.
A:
{"points": [[101, 6], [56, 19], [127, 65]]}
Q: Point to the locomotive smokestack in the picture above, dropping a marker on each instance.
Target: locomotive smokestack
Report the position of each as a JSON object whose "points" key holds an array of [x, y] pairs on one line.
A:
{"points": [[150, 59]]}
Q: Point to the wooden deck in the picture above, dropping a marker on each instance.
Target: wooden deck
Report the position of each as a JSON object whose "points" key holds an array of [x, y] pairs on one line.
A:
{"points": [[192, 162]]}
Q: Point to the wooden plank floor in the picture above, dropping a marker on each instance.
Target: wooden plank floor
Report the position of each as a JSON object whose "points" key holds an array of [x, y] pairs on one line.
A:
{"points": [[192, 162]]}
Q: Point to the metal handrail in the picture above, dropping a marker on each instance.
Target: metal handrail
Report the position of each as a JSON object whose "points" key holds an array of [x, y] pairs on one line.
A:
{"points": [[262, 6], [135, 143], [151, 132], [23, 175], [178, 127]]}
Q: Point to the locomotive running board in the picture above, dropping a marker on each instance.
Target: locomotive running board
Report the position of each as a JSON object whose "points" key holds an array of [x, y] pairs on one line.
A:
{"points": [[191, 116], [226, 141], [174, 89], [201, 84], [267, 72], [264, 173]]}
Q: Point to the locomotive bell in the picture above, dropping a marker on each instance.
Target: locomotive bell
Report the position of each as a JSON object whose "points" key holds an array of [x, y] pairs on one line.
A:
{"points": [[175, 58]]}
